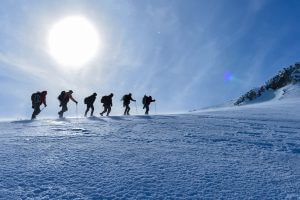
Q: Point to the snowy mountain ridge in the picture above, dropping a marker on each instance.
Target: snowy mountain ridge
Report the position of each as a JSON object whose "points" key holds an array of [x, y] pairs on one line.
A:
{"points": [[285, 83]]}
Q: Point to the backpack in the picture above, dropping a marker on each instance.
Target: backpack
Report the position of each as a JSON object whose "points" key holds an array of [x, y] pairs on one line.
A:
{"points": [[144, 100], [85, 100], [126, 98], [103, 99], [36, 98], [61, 96]]}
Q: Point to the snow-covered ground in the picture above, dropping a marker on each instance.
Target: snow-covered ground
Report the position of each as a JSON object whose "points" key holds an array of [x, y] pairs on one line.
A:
{"points": [[243, 152]]}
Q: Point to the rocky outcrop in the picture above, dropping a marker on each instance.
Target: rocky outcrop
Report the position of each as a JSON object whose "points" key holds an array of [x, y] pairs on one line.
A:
{"points": [[289, 75]]}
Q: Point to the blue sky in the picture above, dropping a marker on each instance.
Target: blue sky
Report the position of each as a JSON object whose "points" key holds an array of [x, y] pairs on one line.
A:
{"points": [[185, 53]]}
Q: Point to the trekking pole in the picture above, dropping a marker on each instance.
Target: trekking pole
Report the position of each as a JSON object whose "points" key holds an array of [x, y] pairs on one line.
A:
{"points": [[76, 111]]}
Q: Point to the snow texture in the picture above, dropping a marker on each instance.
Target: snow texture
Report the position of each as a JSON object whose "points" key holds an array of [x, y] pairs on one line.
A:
{"points": [[239, 152]]}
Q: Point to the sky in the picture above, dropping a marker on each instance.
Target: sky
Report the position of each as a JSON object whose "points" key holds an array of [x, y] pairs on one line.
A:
{"points": [[187, 54]]}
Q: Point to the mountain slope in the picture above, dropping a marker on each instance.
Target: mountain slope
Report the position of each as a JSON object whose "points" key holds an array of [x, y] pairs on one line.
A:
{"points": [[224, 152], [242, 152], [273, 87]]}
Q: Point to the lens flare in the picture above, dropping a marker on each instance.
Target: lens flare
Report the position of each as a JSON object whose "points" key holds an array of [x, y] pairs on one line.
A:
{"points": [[228, 76]]}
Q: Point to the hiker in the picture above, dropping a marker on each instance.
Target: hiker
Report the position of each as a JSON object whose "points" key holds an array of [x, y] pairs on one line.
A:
{"points": [[37, 100], [126, 101], [89, 101], [64, 98], [146, 101], [107, 104]]}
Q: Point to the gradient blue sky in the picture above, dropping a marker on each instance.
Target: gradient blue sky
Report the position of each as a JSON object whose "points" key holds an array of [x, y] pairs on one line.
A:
{"points": [[186, 53]]}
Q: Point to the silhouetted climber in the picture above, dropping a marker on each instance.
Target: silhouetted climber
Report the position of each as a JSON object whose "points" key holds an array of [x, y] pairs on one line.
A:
{"points": [[89, 101], [64, 98], [126, 101], [107, 104], [37, 100], [146, 101]]}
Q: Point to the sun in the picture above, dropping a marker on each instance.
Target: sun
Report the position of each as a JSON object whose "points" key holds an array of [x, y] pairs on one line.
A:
{"points": [[73, 41]]}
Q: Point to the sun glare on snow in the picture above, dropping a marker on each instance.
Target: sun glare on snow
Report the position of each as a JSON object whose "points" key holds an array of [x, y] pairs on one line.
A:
{"points": [[73, 41]]}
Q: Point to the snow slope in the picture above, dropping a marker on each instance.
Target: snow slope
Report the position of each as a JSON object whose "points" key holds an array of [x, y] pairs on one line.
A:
{"points": [[289, 94], [241, 152]]}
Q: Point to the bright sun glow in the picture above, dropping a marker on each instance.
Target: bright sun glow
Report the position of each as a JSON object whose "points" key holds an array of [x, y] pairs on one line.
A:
{"points": [[73, 41]]}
